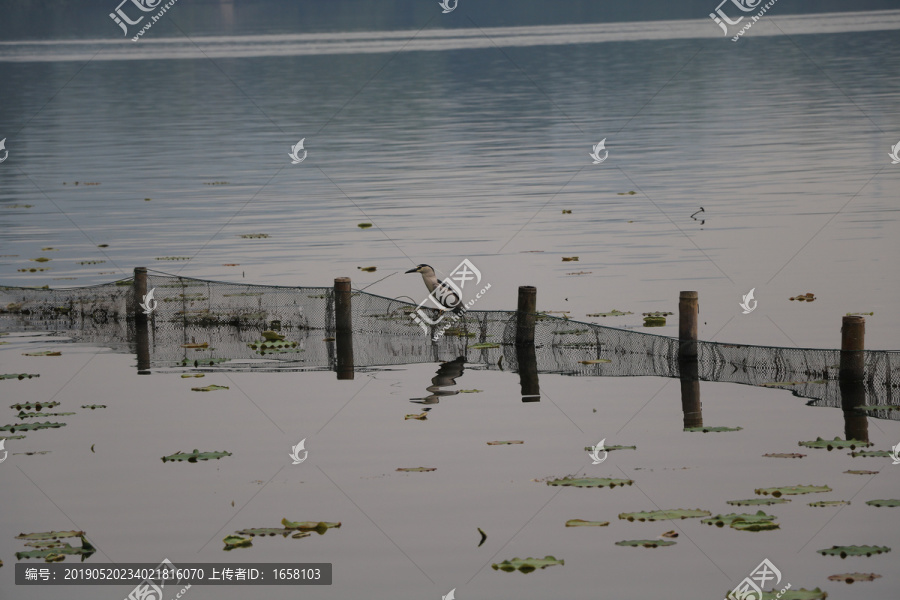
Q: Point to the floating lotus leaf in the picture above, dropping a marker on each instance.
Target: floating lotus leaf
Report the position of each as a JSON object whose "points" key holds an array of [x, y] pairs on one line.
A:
{"points": [[590, 482], [416, 469], [610, 448], [31, 426], [44, 353], [654, 321], [664, 515], [173, 258], [364, 225], [93, 406], [670, 534], [194, 456], [210, 388], [33, 452], [49, 535], [854, 577], [821, 503], [583, 523], [798, 594], [367, 269], [570, 258], [301, 534], [40, 259], [484, 346], [861, 472], [835, 443], [712, 429], [845, 551], [264, 531], [872, 454], [46, 544], [645, 543], [792, 490], [19, 375], [782, 455], [32, 415], [12, 437], [505, 442], [892, 502], [470, 391], [274, 347], [596, 361], [34, 405], [744, 521], [59, 552], [612, 313], [254, 236], [236, 541], [527, 565], [272, 336], [875, 407], [319, 527], [419, 417], [189, 375], [202, 345]]}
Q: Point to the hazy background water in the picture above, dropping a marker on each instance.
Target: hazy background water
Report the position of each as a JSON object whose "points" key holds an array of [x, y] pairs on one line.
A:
{"points": [[470, 152]]}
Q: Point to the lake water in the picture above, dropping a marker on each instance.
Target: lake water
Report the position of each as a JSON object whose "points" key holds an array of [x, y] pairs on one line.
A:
{"points": [[458, 144]]}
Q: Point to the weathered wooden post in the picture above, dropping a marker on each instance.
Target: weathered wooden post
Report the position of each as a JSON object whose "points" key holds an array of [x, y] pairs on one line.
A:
{"points": [[526, 364], [688, 311], [343, 318], [525, 315], [852, 377], [691, 408], [141, 321]]}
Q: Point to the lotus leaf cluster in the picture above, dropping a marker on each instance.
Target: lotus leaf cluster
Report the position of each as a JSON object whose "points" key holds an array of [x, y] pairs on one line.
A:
{"points": [[527, 565], [845, 551], [792, 490], [744, 521], [194, 456], [664, 515], [590, 482]]}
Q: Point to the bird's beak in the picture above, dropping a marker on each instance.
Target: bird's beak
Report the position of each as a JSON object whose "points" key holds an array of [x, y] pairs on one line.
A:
{"points": [[416, 270]]}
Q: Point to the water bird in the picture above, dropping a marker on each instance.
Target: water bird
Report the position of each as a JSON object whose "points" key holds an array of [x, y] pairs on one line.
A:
{"points": [[445, 294]]}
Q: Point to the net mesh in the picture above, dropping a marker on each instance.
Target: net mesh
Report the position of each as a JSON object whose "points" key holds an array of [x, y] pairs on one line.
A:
{"points": [[230, 319]]}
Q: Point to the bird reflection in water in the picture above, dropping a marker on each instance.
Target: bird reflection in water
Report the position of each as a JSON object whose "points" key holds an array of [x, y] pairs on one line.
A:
{"points": [[446, 377]]}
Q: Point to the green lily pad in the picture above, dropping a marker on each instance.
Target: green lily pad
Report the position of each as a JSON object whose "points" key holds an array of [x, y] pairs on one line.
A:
{"points": [[274, 347], [34, 405], [210, 388], [757, 526], [419, 417], [272, 336], [711, 429], [189, 375], [792, 490], [264, 531], [12, 437], [40, 259], [782, 455], [664, 515], [527, 565], [854, 577], [194, 456], [845, 551], [821, 503], [861, 472], [583, 523], [58, 553], [892, 502], [612, 313], [798, 594], [590, 482], [484, 346], [470, 391], [31, 426], [93, 406], [32, 415], [236, 541], [654, 322], [19, 375], [416, 469], [835, 443], [364, 225], [46, 544], [49, 535], [645, 543], [873, 454], [744, 521], [319, 527], [757, 501], [44, 353]]}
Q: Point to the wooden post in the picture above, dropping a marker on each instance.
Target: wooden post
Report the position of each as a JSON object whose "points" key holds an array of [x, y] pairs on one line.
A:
{"points": [[688, 311], [525, 315], [140, 290], [691, 408], [853, 356], [526, 364], [343, 317]]}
